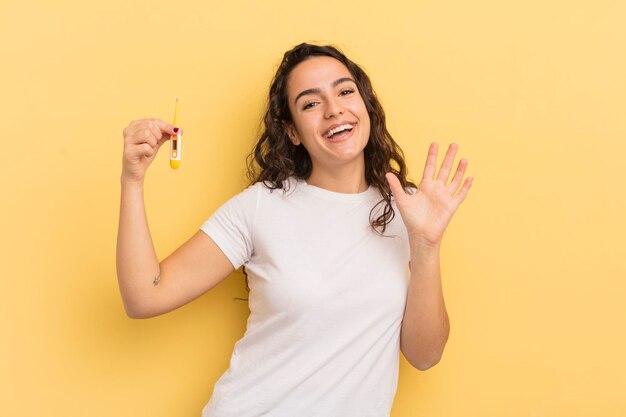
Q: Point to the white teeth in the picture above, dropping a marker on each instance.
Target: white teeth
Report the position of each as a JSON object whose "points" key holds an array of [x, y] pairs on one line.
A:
{"points": [[338, 129]]}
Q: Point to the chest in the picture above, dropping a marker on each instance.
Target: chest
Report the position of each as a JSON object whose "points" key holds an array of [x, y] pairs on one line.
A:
{"points": [[326, 257]]}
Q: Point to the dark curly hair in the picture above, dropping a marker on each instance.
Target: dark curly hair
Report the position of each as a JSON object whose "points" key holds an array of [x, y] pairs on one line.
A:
{"points": [[275, 158]]}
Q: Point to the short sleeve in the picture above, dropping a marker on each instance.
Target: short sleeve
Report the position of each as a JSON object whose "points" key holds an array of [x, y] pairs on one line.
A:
{"points": [[230, 226]]}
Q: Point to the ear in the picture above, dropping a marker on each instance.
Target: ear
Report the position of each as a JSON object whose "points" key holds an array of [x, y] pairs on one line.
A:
{"points": [[292, 133]]}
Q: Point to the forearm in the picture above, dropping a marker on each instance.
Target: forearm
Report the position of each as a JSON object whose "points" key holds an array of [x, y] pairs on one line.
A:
{"points": [[425, 327], [137, 263]]}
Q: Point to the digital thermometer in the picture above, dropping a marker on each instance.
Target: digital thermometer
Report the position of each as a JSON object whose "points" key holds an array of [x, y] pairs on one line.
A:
{"points": [[175, 142]]}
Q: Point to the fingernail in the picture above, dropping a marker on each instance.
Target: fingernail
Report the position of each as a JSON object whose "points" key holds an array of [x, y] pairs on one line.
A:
{"points": [[175, 130]]}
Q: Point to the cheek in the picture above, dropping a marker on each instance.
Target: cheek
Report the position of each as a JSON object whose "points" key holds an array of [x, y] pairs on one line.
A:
{"points": [[361, 109], [365, 118], [367, 126], [307, 125], [300, 131]]}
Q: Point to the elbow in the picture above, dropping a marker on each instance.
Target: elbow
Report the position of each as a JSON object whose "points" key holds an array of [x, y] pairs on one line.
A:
{"points": [[137, 307], [425, 365], [424, 356], [135, 315], [421, 361], [135, 311]]}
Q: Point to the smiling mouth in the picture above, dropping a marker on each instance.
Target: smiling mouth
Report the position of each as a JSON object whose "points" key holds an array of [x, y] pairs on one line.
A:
{"points": [[338, 131]]}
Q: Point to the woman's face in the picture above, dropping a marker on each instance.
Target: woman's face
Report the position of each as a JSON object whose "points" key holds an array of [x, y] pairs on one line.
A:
{"points": [[329, 116]]}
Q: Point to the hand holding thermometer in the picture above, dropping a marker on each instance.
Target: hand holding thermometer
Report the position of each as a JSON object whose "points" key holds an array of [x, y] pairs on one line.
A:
{"points": [[175, 142]]}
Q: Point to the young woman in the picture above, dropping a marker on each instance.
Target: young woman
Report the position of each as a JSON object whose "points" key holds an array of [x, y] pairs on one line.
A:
{"points": [[339, 283]]}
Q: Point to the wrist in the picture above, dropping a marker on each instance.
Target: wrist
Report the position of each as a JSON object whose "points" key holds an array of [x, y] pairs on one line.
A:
{"points": [[130, 181], [424, 244]]}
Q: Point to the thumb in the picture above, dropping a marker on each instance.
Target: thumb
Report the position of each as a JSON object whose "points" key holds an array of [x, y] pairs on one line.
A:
{"points": [[168, 131], [396, 188], [165, 127]]}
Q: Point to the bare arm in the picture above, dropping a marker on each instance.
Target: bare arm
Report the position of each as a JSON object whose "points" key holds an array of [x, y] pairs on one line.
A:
{"points": [[426, 326], [426, 214], [150, 288]]}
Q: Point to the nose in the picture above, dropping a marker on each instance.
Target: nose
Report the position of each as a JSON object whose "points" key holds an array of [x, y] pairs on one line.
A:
{"points": [[333, 108]]}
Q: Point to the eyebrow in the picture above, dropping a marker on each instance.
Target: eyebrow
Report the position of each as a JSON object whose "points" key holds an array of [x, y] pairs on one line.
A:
{"points": [[317, 90]]}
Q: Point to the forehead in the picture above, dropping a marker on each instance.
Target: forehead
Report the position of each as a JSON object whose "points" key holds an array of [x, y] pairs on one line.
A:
{"points": [[315, 72]]}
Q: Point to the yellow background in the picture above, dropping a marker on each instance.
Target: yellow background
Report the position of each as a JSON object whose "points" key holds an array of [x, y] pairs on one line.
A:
{"points": [[533, 263]]}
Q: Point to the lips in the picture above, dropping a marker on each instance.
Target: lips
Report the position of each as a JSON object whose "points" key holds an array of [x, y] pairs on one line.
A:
{"points": [[339, 128], [341, 136]]}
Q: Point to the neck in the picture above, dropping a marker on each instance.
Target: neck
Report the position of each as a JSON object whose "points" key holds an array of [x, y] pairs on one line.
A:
{"points": [[347, 180]]}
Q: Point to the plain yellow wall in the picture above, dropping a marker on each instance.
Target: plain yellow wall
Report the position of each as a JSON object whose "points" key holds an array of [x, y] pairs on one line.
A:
{"points": [[533, 266]]}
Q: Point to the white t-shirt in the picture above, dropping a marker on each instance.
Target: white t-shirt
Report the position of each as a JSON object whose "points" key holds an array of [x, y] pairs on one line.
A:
{"points": [[327, 297]]}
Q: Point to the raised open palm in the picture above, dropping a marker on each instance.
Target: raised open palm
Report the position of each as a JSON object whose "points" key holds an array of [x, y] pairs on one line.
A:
{"points": [[427, 213]]}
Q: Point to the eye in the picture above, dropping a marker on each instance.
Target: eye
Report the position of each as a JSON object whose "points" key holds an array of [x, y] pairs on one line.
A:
{"points": [[309, 105], [346, 92]]}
